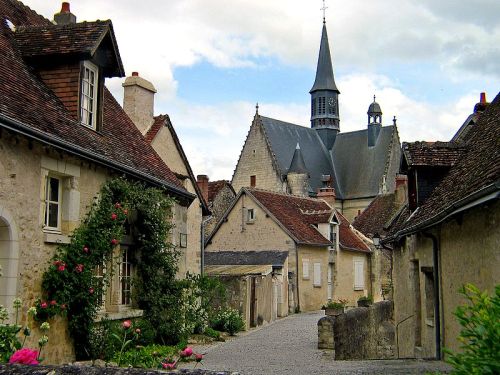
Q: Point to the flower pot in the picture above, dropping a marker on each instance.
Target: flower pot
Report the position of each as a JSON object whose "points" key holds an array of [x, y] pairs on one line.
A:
{"points": [[334, 312]]}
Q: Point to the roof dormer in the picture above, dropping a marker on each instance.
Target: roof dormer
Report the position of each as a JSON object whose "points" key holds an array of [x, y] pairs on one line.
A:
{"points": [[73, 59]]}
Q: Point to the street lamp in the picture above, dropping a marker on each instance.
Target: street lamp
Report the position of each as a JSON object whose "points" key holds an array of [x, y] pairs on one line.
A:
{"points": [[376, 239]]}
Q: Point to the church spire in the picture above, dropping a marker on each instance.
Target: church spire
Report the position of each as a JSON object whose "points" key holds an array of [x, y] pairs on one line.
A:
{"points": [[324, 95]]}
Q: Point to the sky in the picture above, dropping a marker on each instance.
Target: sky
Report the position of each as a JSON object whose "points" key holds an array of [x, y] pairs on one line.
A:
{"points": [[211, 61]]}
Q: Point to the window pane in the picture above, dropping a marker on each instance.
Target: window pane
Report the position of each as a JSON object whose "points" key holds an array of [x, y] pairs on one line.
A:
{"points": [[54, 189], [53, 215]]}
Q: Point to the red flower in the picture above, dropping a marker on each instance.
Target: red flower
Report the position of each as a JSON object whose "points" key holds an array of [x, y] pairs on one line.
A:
{"points": [[62, 267], [53, 302], [188, 351], [25, 356], [63, 307], [113, 216], [85, 249], [198, 357], [138, 331], [125, 211], [168, 366], [126, 324], [79, 268], [91, 290], [117, 205], [43, 305], [114, 242]]}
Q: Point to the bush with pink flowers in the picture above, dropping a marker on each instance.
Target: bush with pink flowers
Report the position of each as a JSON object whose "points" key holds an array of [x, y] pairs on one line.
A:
{"points": [[25, 356]]}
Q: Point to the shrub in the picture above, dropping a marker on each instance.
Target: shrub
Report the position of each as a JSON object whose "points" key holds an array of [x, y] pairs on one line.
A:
{"points": [[210, 332], [480, 333], [228, 320], [336, 304], [146, 356]]}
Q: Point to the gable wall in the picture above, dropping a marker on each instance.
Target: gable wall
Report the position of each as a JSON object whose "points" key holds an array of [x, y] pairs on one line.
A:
{"points": [[256, 160], [343, 285]]}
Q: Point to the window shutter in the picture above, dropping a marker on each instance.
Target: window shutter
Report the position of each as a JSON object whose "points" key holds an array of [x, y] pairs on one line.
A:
{"points": [[305, 268], [317, 274], [359, 275]]}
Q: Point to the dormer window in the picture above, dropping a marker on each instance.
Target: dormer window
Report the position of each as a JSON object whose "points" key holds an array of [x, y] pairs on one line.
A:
{"points": [[88, 98]]}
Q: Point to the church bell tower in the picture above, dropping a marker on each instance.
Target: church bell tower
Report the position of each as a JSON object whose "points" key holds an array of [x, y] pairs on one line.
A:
{"points": [[325, 96]]}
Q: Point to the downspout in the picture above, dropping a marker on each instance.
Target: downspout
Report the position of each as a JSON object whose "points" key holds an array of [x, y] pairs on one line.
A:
{"points": [[437, 317], [297, 277]]}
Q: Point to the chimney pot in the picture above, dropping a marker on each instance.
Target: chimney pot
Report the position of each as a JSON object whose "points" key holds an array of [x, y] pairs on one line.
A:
{"points": [[135, 74], [482, 98], [65, 7]]}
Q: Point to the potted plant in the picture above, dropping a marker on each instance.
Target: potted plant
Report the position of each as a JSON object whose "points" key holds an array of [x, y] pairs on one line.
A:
{"points": [[335, 307], [365, 301]]}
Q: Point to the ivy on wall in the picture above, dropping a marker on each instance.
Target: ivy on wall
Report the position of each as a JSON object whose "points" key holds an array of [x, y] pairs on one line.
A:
{"points": [[69, 284]]}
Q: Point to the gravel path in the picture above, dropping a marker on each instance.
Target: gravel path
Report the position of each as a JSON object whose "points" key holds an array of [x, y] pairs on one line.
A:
{"points": [[289, 346]]}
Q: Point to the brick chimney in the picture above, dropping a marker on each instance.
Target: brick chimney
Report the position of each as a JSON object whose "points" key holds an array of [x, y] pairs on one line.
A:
{"points": [[401, 188], [481, 106], [202, 181], [65, 16], [138, 101], [328, 195]]}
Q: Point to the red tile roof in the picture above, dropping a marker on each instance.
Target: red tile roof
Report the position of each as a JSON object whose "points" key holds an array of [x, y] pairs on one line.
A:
{"points": [[215, 186], [348, 240], [159, 122], [28, 106]]}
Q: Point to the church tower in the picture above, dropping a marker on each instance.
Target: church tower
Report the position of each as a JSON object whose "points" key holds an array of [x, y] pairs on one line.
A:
{"points": [[325, 96]]}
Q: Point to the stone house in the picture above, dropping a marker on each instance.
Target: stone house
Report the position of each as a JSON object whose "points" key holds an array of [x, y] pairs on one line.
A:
{"points": [[138, 103], [448, 234], [359, 165], [62, 135], [326, 259]]}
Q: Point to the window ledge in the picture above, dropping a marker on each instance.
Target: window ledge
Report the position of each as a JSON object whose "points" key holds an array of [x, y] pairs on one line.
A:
{"points": [[54, 237], [128, 313], [317, 286]]}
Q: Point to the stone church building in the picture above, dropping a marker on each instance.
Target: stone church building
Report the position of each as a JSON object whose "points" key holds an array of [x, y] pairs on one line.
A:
{"points": [[291, 158]]}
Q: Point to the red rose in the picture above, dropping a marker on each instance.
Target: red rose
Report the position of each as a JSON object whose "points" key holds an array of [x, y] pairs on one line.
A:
{"points": [[138, 331], [114, 216], [126, 324], [43, 305], [198, 357], [62, 267], [63, 307], [91, 290], [79, 268], [53, 303], [85, 249], [125, 211], [188, 351], [25, 356], [114, 242], [117, 205]]}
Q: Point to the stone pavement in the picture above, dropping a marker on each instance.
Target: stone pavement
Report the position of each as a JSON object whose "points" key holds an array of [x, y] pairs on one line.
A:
{"points": [[289, 346]]}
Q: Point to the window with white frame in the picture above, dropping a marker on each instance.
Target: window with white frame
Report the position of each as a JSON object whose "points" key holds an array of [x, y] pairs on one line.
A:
{"points": [[359, 274], [53, 195], [305, 269], [317, 274], [126, 277], [88, 96]]}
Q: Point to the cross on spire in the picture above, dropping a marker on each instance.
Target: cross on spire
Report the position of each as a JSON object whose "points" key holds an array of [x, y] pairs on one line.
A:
{"points": [[324, 11]]}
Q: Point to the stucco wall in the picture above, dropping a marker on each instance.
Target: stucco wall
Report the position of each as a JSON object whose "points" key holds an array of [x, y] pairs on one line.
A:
{"points": [[343, 286], [312, 297], [256, 160], [351, 208]]}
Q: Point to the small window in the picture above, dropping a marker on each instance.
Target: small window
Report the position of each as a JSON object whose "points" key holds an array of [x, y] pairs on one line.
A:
{"points": [[53, 203], [100, 283], [126, 278], [333, 234], [253, 181], [317, 274], [305, 269], [183, 240], [429, 294], [88, 96], [250, 215], [359, 274]]}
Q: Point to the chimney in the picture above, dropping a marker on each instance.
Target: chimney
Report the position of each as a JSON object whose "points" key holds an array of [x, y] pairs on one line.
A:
{"points": [[481, 106], [138, 101], [328, 195], [202, 181], [64, 17], [401, 188]]}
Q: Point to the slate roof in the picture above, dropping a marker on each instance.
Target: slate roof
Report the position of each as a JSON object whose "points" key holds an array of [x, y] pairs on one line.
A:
{"points": [[119, 145], [443, 154], [356, 169], [324, 71], [348, 240], [378, 215], [267, 257], [475, 176], [297, 215]]}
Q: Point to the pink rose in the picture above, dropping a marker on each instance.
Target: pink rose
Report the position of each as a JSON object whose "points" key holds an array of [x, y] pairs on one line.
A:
{"points": [[85, 249], [63, 307], [198, 357], [79, 268], [188, 351], [62, 267], [138, 331], [53, 303], [114, 216], [114, 242], [168, 366], [25, 356], [117, 205], [43, 305], [91, 290], [126, 324]]}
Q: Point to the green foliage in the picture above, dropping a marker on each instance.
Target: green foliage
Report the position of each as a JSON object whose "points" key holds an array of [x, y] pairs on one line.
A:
{"points": [[368, 299], [9, 342], [146, 356], [69, 285], [480, 333], [338, 303], [228, 320], [210, 332]]}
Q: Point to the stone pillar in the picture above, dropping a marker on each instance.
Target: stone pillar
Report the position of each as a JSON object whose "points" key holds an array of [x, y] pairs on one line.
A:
{"points": [[325, 333]]}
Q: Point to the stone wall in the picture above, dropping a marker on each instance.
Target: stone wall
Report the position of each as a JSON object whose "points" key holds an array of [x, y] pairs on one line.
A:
{"points": [[360, 333]]}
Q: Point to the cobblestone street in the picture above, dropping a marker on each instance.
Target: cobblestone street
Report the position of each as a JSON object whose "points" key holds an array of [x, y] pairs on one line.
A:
{"points": [[289, 346]]}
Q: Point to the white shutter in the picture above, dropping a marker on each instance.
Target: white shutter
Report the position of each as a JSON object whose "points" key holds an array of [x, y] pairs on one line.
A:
{"points": [[317, 274], [305, 269], [359, 275]]}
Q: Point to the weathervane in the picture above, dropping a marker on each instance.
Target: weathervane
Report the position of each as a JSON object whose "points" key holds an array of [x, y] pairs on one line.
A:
{"points": [[324, 11]]}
